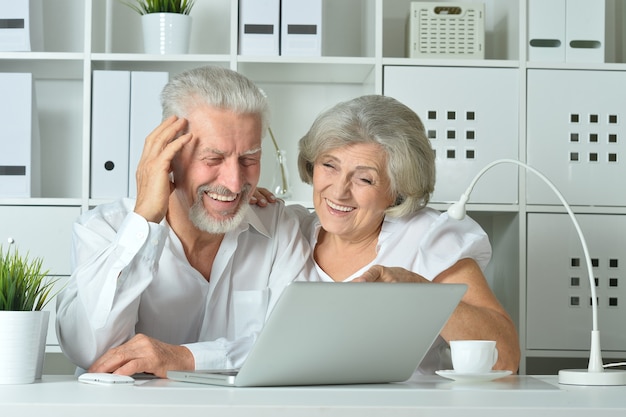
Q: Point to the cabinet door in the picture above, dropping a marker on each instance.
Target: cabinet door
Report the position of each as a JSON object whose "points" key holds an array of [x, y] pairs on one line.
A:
{"points": [[43, 232], [472, 117], [558, 291], [576, 138]]}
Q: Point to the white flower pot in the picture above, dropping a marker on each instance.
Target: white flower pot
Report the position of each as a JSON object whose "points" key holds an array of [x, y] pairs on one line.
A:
{"points": [[166, 33], [22, 345]]}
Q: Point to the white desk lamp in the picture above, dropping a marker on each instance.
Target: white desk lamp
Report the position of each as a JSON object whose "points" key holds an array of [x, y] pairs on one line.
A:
{"points": [[595, 374]]}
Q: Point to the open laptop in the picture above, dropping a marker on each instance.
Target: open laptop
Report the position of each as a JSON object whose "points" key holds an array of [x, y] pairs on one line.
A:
{"points": [[323, 333]]}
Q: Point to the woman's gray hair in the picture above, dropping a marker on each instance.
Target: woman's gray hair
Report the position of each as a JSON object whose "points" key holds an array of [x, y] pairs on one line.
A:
{"points": [[392, 125], [216, 87]]}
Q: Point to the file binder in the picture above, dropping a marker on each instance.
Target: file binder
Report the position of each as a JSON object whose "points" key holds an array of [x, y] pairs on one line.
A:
{"points": [[19, 137], [145, 116], [585, 25], [21, 25], [259, 27], [301, 28], [546, 30], [110, 134]]}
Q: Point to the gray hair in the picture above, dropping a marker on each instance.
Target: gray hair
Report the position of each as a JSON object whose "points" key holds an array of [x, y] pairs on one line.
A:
{"points": [[392, 125], [216, 87]]}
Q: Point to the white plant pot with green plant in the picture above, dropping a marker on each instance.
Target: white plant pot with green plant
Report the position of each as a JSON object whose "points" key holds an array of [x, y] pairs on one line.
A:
{"points": [[166, 25], [25, 289]]}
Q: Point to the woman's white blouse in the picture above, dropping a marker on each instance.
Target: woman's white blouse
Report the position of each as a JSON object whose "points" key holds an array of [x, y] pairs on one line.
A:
{"points": [[427, 243]]}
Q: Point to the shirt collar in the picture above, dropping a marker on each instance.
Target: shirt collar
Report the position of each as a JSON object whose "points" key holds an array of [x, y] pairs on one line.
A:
{"points": [[252, 220], [390, 226]]}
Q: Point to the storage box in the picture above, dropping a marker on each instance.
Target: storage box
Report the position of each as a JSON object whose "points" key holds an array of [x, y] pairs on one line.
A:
{"points": [[446, 30]]}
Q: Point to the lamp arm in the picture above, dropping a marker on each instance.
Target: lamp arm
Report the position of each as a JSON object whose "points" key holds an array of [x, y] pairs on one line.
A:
{"points": [[457, 210], [465, 197]]}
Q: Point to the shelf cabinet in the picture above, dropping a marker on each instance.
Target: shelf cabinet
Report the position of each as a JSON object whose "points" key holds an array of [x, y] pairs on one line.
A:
{"points": [[520, 109]]}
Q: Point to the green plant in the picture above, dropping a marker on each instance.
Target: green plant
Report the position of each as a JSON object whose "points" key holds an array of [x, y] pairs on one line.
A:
{"points": [[23, 284], [160, 6]]}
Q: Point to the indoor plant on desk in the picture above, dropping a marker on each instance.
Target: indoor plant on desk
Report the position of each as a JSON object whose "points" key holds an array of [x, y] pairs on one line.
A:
{"points": [[166, 24], [24, 292]]}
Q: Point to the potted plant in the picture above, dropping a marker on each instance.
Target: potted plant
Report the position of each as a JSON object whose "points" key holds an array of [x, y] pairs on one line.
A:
{"points": [[166, 24], [24, 291]]}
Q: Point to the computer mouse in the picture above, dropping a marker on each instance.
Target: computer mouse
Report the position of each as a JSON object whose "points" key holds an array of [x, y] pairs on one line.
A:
{"points": [[105, 379]]}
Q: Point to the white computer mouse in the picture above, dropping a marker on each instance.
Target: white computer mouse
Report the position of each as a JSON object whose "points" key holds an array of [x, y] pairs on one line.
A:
{"points": [[105, 379]]}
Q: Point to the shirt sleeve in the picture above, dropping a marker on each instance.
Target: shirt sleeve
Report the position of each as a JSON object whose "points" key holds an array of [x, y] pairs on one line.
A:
{"points": [[221, 353], [447, 241], [111, 268]]}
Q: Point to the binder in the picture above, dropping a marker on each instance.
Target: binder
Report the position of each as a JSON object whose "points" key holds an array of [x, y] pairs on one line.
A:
{"points": [[585, 25], [145, 116], [19, 137], [110, 133], [21, 25], [301, 28], [546, 30], [259, 27]]}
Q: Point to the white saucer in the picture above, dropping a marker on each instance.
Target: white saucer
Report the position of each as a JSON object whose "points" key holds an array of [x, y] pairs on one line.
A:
{"points": [[457, 376]]}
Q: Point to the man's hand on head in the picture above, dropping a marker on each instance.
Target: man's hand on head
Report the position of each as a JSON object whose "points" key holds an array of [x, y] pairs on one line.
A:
{"points": [[154, 184]]}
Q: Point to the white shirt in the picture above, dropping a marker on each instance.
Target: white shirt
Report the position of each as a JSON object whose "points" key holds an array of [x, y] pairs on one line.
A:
{"points": [[158, 293], [426, 243]]}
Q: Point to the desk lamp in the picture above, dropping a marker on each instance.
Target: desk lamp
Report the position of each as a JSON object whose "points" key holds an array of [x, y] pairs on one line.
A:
{"points": [[595, 374]]}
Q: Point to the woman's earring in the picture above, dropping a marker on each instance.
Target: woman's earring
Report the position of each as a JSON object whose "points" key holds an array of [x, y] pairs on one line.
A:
{"points": [[172, 177]]}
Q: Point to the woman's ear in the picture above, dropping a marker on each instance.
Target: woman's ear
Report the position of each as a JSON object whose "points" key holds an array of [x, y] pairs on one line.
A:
{"points": [[399, 200]]}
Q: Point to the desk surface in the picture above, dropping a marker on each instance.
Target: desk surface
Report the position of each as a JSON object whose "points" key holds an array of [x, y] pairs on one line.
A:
{"points": [[425, 396]]}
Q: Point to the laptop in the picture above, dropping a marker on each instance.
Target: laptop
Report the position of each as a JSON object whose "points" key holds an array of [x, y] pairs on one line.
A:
{"points": [[324, 333]]}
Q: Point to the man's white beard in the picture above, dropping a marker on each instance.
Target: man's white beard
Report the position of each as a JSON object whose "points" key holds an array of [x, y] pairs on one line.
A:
{"points": [[203, 221]]}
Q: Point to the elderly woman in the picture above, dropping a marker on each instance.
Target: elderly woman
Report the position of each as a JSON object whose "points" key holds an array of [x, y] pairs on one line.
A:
{"points": [[373, 170]]}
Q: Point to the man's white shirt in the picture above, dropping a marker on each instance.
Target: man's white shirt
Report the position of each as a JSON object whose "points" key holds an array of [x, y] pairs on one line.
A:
{"points": [[131, 276]]}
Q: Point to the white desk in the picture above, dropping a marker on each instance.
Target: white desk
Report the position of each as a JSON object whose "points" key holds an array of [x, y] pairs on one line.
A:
{"points": [[428, 396]]}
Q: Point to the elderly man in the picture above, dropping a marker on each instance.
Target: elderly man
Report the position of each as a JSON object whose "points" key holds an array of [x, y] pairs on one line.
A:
{"points": [[184, 276]]}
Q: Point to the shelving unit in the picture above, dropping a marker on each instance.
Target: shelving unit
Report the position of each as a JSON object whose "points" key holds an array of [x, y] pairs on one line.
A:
{"points": [[363, 42]]}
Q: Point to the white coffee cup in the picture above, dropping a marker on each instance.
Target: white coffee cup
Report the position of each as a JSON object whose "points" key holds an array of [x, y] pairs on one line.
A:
{"points": [[473, 356]]}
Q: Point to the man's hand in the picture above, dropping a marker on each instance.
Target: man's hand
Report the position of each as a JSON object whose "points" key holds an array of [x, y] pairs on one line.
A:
{"points": [[144, 354], [390, 274], [153, 180]]}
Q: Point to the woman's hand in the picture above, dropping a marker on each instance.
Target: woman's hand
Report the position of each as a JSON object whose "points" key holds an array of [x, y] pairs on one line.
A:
{"points": [[262, 197], [379, 273]]}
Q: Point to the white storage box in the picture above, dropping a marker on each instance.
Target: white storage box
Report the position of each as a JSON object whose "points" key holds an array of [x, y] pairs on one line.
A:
{"points": [[446, 30]]}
